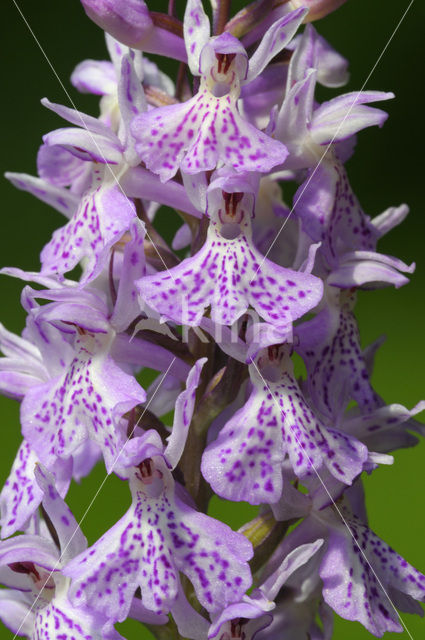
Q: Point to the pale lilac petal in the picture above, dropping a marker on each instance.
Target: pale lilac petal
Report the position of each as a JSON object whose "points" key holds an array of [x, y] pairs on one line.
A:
{"points": [[70, 536], [386, 428], [196, 29], [358, 268], [313, 52], [94, 76], [80, 119], [345, 115], [14, 612], [292, 120], [293, 561], [140, 183], [183, 412], [390, 218], [92, 147], [132, 101], [29, 548], [60, 199], [127, 306], [274, 40], [142, 353], [182, 238], [61, 168]]}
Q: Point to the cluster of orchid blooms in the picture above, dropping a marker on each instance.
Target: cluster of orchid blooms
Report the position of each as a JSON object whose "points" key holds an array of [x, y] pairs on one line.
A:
{"points": [[218, 315]]}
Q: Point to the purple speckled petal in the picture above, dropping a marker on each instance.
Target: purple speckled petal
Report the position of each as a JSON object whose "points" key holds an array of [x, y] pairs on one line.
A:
{"points": [[355, 591], [158, 537], [57, 197], [183, 412], [386, 428], [330, 213], [274, 40], [201, 133], [196, 28], [245, 462], [345, 115], [94, 76], [337, 372], [85, 402], [61, 621], [21, 495], [229, 274], [102, 218], [70, 537]]}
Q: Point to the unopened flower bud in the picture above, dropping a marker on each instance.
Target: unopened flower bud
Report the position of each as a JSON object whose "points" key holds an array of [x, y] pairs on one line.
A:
{"points": [[126, 20], [130, 22], [316, 8]]}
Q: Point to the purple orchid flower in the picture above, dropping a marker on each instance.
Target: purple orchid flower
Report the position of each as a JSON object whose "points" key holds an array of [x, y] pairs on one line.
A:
{"points": [[161, 535], [228, 273], [245, 462], [207, 131]]}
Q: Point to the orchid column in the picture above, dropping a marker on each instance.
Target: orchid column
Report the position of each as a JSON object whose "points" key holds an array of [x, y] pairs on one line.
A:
{"points": [[219, 314]]}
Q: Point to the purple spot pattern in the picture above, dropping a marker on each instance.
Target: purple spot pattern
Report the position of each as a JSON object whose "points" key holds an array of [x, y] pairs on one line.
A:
{"points": [[245, 461], [64, 623], [103, 215], [85, 402], [352, 589], [338, 220], [200, 134], [21, 494], [157, 538], [228, 276], [337, 370]]}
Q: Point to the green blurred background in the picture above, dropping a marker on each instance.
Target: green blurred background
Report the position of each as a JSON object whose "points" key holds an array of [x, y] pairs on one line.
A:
{"points": [[387, 169]]}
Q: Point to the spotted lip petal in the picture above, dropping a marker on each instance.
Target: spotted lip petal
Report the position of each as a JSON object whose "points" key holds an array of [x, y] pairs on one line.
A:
{"points": [[103, 216], [337, 371], [229, 274], [21, 494], [207, 130], [200, 134], [245, 462], [354, 581], [158, 537], [85, 402]]}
